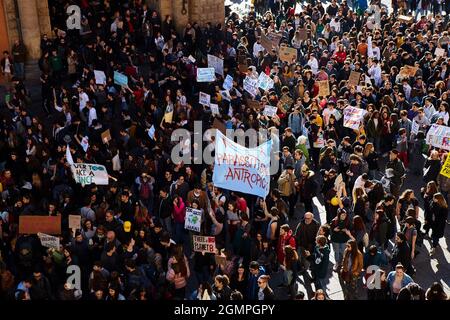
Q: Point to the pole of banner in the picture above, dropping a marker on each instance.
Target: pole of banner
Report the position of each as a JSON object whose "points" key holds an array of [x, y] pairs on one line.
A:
{"points": [[111, 177]]}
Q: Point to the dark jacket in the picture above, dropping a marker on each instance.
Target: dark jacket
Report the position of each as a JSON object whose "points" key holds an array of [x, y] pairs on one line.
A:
{"points": [[252, 289], [439, 220], [402, 254], [305, 234], [432, 168], [399, 171], [321, 259], [268, 294], [165, 208]]}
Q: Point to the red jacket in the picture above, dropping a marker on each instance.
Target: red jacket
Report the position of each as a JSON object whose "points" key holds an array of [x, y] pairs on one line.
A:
{"points": [[179, 212], [286, 240]]}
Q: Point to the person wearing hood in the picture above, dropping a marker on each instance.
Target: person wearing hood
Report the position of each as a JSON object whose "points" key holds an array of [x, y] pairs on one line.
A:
{"points": [[320, 262]]}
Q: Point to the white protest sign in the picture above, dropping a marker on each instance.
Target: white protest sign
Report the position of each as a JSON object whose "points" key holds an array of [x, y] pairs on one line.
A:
{"points": [[251, 85], [204, 99], [85, 143], [85, 173], [205, 75], [151, 132], [204, 244], [439, 52], [100, 77], [242, 169], [225, 94], [193, 219], [228, 82], [439, 136], [49, 241], [191, 59], [216, 63], [265, 82], [353, 117], [214, 108], [270, 111]]}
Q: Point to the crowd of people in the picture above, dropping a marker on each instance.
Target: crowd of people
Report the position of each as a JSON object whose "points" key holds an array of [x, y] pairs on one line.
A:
{"points": [[133, 244]]}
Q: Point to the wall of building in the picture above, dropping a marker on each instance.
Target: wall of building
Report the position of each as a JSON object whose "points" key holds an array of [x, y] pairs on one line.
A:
{"points": [[33, 20], [200, 11]]}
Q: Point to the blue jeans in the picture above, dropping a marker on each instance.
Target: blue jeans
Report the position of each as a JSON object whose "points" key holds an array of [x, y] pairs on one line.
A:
{"points": [[338, 252], [19, 69]]}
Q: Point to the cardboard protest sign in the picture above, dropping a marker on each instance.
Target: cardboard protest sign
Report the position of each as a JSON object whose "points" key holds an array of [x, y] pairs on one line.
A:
{"points": [[168, 114], [204, 99], [439, 52], [270, 111], [100, 77], [275, 38], [303, 34], [354, 78], [407, 19], [439, 136], [242, 169], [353, 117], [106, 136], [287, 54], [74, 221], [85, 174], [120, 79], [193, 219], [445, 171], [214, 109], [36, 224], [216, 63], [408, 71], [205, 75], [228, 82], [266, 43], [324, 88], [220, 260], [204, 244], [49, 241]]}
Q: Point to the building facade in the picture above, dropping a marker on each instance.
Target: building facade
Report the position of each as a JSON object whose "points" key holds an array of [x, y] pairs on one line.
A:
{"points": [[25, 20], [184, 11], [28, 20]]}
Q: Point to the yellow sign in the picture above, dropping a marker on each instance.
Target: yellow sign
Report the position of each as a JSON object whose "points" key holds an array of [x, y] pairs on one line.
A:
{"points": [[445, 171]]}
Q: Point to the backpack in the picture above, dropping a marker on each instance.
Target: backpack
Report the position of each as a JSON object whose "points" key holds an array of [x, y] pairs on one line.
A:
{"points": [[144, 191]]}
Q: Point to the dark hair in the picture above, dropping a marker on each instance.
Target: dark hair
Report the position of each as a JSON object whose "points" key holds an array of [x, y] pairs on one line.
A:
{"points": [[254, 265]]}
